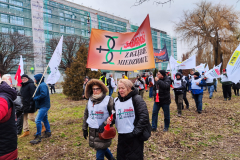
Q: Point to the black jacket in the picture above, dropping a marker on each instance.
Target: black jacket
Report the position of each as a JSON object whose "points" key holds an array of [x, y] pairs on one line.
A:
{"points": [[27, 92], [141, 122], [163, 86], [8, 128]]}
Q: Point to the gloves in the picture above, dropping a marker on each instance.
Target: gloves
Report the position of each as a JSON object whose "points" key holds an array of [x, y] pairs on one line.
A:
{"points": [[85, 134], [101, 128]]}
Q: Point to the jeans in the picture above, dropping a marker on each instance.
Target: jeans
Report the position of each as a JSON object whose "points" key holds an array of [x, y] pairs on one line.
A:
{"points": [[141, 93], [42, 116], [198, 101], [210, 90], [150, 92], [166, 111], [236, 92], [104, 152], [110, 91]]}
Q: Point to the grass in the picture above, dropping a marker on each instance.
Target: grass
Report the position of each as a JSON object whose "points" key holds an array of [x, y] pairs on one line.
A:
{"points": [[214, 134]]}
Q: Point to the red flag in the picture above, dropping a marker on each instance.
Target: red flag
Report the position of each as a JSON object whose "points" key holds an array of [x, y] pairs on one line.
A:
{"points": [[19, 73]]}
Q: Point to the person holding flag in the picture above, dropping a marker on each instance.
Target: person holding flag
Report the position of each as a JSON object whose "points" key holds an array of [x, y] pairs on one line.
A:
{"points": [[226, 85], [197, 90], [185, 79], [210, 85], [139, 83]]}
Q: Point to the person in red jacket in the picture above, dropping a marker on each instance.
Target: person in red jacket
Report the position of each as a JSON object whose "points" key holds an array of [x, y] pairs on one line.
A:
{"points": [[8, 129]]}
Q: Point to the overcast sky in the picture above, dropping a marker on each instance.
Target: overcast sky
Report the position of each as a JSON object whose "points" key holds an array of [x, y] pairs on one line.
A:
{"points": [[161, 17]]}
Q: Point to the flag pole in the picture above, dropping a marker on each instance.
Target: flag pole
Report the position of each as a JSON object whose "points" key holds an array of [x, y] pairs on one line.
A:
{"points": [[16, 82], [40, 82]]}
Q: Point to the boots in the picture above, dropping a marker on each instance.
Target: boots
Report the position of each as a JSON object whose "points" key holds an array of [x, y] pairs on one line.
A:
{"points": [[24, 134], [225, 99], [36, 140], [43, 129], [46, 135]]}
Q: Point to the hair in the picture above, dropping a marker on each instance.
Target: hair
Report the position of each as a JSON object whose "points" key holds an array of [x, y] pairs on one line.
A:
{"points": [[5, 79], [127, 83]]}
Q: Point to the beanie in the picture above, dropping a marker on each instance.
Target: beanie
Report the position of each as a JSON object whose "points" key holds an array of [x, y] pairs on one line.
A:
{"points": [[197, 74], [24, 75], [163, 72]]}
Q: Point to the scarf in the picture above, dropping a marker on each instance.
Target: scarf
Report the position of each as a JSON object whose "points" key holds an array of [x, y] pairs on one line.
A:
{"points": [[97, 98]]}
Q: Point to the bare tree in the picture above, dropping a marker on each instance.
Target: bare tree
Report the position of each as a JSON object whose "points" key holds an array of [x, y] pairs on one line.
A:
{"points": [[71, 45], [139, 2], [209, 26], [11, 47]]}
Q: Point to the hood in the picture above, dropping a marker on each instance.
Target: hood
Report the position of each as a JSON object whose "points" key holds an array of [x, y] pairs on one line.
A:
{"points": [[178, 73], [38, 78], [6, 90], [92, 82], [29, 81], [131, 94]]}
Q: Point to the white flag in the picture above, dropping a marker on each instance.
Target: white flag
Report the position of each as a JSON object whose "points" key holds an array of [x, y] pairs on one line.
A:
{"points": [[190, 63], [206, 68], [200, 68], [54, 63], [233, 66], [173, 67], [214, 73]]}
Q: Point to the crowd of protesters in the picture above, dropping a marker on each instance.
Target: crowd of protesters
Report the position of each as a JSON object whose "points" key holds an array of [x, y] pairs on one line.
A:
{"points": [[127, 112]]}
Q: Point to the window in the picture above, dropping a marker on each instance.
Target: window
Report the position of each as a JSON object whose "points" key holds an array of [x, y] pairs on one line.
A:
{"points": [[48, 26], [68, 15], [21, 32], [47, 10], [61, 5], [82, 19], [83, 33], [3, 0], [70, 30], [4, 30], [47, 15], [16, 20], [53, 3], [48, 36], [4, 18], [61, 14], [3, 5], [62, 19], [61, 28], [16, 8], [16, 2]]}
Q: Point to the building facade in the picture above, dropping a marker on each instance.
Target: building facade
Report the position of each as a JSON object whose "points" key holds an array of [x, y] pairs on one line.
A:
{"points": [[43, 20]]}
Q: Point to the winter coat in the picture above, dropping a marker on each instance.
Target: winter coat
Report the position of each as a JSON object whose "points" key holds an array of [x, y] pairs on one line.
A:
{"points": [[163, 85], [41, 98], [27, 90], [198, 91], [136, 136], [8, 129], [94, 140]]}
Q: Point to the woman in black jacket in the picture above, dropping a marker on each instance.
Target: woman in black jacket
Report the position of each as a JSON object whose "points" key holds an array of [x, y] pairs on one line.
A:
{"points": [[131, 120]]}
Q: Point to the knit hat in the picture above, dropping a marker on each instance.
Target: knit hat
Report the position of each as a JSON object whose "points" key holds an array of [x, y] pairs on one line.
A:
{"points": [[163, 72], [24, 75], [197, 74], [180, 71], [224, 70]]}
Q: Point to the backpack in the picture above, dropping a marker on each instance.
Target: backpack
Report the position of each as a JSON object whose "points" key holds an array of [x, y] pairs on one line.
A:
{"points": [[146, 134]]}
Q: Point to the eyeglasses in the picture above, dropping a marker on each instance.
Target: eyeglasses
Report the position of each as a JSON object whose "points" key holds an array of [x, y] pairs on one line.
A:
{"points": [[96, 89]]}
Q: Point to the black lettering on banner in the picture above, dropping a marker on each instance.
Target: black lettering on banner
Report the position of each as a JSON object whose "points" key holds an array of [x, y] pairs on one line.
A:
{"points": [[127, 55], [131, 54], [146, 59]]}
